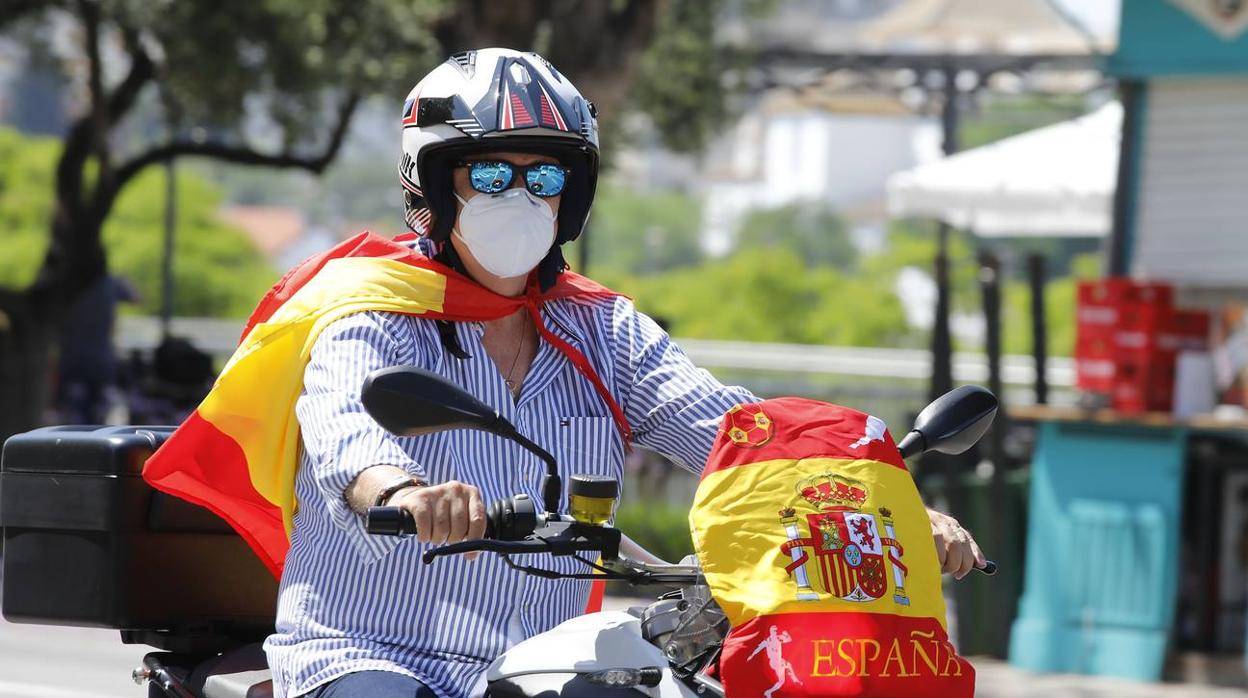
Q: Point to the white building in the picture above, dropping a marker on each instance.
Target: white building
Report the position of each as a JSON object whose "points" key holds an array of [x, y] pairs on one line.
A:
{"points": [[836, 152]]}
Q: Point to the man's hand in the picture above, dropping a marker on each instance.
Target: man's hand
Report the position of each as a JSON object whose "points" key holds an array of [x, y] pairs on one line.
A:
{"points": [[447, 513], [956, 549]]}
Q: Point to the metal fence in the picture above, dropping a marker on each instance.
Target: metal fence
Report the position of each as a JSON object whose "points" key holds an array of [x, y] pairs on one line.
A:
{"points": [[219, 337], [889, 383]]}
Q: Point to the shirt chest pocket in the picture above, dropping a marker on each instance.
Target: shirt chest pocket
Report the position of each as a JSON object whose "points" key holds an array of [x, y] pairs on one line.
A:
{"points": [[589, 445], [579, 445]]}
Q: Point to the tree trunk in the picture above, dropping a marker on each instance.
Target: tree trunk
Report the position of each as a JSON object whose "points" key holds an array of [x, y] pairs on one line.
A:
{"points": [[30, 320], [27, 337]]}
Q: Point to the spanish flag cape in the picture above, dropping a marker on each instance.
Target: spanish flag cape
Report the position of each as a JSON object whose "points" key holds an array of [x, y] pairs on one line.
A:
{"points": [[814, 541], [236, 455]]}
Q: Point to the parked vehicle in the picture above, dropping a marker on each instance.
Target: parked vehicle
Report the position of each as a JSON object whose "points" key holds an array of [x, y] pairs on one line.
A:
{"points": [[169, 574]]}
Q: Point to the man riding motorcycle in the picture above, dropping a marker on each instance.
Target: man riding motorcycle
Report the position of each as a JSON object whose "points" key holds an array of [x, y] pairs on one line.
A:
{"points": [[498, 168]]}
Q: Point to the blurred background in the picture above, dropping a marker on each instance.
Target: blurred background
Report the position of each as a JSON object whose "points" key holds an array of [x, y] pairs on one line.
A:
{"points": [[860, 201]]}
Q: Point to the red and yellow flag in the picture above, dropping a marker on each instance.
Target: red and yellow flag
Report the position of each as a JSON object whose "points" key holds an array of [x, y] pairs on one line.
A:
{"points": [[815, 543], [237, 453]]}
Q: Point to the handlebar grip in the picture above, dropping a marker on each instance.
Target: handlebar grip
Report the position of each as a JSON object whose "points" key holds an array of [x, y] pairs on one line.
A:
{"points": [[390, 521]]}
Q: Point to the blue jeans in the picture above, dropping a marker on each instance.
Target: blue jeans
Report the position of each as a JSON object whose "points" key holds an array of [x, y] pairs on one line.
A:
{"points": [[372, 684]]}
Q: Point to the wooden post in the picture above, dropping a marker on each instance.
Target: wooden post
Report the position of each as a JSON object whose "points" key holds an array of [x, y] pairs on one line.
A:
{"points": [[172, 116], [942, 342], [166, 266], [942, 345], [998, 538], [1118, 251], [1037, 277]]}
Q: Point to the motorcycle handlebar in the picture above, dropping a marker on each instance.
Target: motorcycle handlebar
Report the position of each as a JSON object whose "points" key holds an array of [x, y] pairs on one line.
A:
{"points": [[390, 521], [396, 521]]}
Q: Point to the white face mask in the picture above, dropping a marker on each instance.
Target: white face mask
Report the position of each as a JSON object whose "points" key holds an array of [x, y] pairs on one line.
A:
{"points": [[508, 233]]}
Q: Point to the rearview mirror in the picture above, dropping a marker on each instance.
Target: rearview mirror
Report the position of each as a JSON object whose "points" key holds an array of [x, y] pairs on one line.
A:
{"points": [[952, 423], [409, 401]]}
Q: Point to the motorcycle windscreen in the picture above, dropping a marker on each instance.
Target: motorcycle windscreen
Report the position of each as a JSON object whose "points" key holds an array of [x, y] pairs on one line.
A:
{"points": [[815, 543]]}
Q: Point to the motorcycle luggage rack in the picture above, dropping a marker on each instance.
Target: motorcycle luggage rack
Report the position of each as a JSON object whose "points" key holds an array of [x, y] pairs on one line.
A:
{"points": [[207, 639]]}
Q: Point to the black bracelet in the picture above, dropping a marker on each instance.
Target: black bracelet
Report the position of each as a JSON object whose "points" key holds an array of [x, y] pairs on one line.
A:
{"points": [[392, 487]]}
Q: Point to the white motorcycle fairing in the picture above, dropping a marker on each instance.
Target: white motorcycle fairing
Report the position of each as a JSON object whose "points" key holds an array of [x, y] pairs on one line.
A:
{"points": [[554, 664]]}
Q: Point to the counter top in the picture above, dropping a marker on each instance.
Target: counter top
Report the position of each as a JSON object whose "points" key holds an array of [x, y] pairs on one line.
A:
{"points": [[1046, 413]]}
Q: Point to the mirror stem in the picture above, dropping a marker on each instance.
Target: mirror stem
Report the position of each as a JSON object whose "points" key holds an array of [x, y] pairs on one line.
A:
{"points": [[552, 486], [912, 444]]}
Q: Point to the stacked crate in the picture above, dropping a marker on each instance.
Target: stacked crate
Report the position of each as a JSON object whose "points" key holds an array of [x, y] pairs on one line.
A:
{"points": [[1128, 336]]}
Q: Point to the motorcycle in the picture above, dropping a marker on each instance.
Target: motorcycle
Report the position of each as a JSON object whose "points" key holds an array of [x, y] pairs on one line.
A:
{"points": [[666, 649]]}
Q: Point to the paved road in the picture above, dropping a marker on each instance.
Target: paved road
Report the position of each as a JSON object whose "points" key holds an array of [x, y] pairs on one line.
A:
{"points": [[38, 661], [49, 662], [996, 679]]}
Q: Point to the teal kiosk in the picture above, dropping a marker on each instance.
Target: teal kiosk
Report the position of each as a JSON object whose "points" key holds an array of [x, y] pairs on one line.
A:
{"points": [[1102, 548], [1106, 499]]}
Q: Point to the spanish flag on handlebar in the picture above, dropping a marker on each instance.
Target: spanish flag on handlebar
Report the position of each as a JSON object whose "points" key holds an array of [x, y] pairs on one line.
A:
{"points": [[237, 454], [814, 541]]}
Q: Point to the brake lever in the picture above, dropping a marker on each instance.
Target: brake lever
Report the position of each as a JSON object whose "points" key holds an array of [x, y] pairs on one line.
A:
{"points": [[556, 537], [506, 547]]}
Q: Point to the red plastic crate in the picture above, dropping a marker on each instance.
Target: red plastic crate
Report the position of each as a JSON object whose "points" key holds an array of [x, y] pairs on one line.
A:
{"points": [[1127, 338], [1119, 291], [1185, 330], [1143, 386], [1159, 337], [1095, 359]]}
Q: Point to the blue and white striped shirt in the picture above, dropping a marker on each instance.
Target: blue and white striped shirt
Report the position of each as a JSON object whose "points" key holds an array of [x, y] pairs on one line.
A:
{"points": [[350, 601]]}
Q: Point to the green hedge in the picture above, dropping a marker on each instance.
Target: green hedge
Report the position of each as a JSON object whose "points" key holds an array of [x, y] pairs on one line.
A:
{"points": [[661, 529]]}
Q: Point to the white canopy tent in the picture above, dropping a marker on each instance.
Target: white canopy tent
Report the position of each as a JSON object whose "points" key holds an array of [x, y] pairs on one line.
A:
{"points": [[1054, 181]]}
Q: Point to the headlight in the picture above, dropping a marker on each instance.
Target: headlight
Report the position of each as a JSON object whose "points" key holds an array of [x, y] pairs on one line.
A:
{"points": [[627, 678]]}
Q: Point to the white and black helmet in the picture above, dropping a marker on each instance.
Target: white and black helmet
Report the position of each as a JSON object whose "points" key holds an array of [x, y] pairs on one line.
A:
{"points": [[488, 100]]}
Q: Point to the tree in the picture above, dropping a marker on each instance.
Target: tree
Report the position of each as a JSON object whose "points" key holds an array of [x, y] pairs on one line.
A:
{"points": [[772, 297], [26, 168], [641, 234], [301, 65], [219, 272], [290, 54], [1059, 298], [657, 55], [817, 234]]}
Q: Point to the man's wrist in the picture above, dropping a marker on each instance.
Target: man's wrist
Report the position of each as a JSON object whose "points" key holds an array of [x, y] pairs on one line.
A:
{"points": [[393, 487]]}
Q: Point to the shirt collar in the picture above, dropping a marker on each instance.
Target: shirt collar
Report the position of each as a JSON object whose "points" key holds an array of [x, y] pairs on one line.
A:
{"points": [[560, 322]]}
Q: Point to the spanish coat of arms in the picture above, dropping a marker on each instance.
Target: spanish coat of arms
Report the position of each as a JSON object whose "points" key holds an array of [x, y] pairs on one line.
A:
{"points": [[850, 549]]}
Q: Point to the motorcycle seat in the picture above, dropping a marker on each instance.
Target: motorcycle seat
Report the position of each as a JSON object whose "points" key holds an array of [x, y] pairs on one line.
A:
{"points": [[238, 673]]}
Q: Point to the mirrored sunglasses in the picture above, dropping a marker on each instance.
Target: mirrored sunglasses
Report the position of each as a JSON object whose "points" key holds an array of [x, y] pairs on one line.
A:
{"points": [[543, 179]]}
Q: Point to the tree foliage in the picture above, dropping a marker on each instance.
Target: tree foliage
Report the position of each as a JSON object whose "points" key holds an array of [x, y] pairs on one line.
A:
{"points": [[255, 82], [299, 69], [815, 233], [1059, 299], [217, 271], [682, 73], [800, 282], [293, 54], [640, 233], [26, 170], [774, 296], [794, 275]]}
